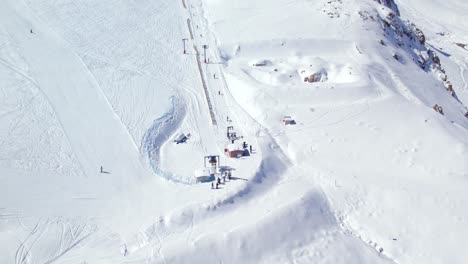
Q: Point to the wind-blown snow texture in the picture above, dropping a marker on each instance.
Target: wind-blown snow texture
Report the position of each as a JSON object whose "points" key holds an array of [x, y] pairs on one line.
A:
{"points": [[372, 171]]}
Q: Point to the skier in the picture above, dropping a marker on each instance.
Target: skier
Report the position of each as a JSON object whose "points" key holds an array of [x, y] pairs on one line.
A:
{"points": [[219, 180], [31, 31], [229, 175], [102, 171], [217, 186], [250, 148], [125, 250], [219, 92], [224, 179], [212, 185]]}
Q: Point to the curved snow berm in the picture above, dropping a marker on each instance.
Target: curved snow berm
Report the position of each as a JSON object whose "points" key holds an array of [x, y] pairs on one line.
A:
{"points": [[159, 133], [273, 166]]}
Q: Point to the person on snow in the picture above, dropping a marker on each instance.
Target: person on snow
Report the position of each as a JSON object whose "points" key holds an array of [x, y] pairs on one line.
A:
{"points": [[212, 185]]}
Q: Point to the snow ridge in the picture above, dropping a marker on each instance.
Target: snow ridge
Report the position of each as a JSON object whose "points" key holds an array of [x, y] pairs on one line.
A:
{"points": [[407, 36]]}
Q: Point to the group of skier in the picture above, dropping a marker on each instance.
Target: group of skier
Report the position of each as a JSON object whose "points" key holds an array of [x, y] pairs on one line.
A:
{"points": [[218, 180]]}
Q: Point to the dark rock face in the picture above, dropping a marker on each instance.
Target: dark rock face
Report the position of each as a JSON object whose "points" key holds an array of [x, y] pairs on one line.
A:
{"points": [[410, 38], [438, 109], [420, 35], [463, 46], [390, 4], [436, 59], [316, 77]]}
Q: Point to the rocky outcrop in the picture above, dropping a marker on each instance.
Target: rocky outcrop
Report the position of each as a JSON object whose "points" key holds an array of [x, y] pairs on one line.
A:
{"points": [[438, 109], [420, 35], [412, 39], [316, 77], [390, 4], [463, 46]]}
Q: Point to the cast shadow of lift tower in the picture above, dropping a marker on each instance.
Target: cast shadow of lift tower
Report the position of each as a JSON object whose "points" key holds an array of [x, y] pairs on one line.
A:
{"points": [[211, 164]]}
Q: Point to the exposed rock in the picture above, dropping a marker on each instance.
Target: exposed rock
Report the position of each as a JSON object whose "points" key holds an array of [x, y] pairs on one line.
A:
{"points": [[316, 77], [420, 35], [262, 63], [365, 15], [438, 109], [461, 45], [443, 76], [390, 16], [390, 4], [436, 59], [407, 34], [448, 85], [386, 24]]}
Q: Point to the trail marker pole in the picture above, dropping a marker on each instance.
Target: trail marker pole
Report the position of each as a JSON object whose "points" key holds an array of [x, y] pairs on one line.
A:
{"points": [[205, 47], [184, 40]]}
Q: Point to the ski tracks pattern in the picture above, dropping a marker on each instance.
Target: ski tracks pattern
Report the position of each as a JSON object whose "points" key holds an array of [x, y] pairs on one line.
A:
{"points": [[50, 239]]}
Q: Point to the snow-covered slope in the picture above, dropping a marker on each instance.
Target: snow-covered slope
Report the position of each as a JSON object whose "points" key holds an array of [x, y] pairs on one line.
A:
{"points": [[394, 169], [444, 24], [370, 172]]}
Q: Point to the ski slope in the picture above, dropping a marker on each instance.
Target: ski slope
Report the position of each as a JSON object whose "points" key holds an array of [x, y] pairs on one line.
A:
{"points": [[93, 95]]}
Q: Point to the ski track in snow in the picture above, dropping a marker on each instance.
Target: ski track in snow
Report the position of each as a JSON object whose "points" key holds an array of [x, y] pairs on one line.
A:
{"points": [[159, 133], [49, 240]]}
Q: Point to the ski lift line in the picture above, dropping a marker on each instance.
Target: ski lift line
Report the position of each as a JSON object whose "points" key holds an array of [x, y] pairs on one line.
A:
{"points": [[205, 88], [189, 25]]}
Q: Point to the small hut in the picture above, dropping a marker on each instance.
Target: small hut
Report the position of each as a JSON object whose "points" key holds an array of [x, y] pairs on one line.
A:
{"points": [[287, 120], [234, 151]]}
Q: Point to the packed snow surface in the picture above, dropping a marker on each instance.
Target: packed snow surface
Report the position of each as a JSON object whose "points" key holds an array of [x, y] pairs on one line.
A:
{"points": [[352, 113]]}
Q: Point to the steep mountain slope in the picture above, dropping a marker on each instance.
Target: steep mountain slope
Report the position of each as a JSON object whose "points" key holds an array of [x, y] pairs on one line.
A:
{"points": [[442, 23]]}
